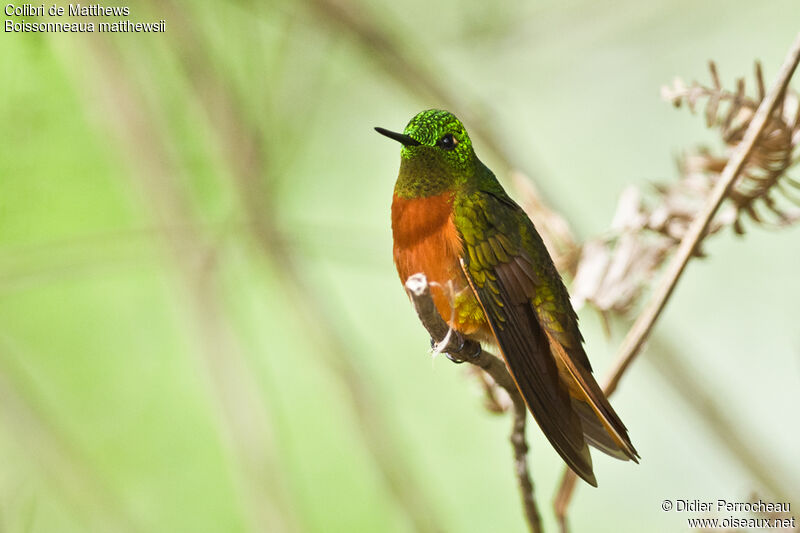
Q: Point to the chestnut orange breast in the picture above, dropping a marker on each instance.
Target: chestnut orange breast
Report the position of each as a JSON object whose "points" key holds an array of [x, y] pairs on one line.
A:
{"points": [[426, 240]]}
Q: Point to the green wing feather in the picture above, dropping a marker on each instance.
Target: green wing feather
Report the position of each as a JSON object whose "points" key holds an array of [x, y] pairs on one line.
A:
{"points": [[496, 271], [525, 302]]}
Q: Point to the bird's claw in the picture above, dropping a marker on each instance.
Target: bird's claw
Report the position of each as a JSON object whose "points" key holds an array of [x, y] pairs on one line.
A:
{"points": [[453, 359], [461, 344], [478, 352]]}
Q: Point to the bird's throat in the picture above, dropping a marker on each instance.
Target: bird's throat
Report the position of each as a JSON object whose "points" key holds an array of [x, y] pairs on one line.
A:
{"points": [[423, 176]]}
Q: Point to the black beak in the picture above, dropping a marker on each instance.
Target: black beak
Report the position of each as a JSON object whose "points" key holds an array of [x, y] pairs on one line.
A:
{"points": [[399, 137]]}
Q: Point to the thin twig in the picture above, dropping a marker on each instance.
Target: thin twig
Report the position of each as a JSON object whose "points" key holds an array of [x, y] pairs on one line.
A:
{"points": [[563, 497], [639, 332], [521, 464], [463, 350], [644, 323]]}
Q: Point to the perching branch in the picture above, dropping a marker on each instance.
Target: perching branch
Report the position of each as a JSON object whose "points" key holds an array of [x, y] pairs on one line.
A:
{"points": [[639, 332], [463, 350]]}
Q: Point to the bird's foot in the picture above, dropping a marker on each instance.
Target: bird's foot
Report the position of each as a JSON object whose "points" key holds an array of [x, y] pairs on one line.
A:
{"points": [[453, 359], [461, 341], [460, 347], [461, 344]]}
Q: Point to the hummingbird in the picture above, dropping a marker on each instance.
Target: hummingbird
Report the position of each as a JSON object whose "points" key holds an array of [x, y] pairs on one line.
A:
{"points": [[454, 222]]}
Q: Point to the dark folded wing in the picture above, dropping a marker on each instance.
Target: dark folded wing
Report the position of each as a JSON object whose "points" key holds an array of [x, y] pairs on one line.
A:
{"points": [[528, 309], [496, 271], [526, 350]]}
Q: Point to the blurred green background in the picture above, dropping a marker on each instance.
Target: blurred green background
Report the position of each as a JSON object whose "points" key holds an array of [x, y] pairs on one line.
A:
{"points": [[201, 328]]}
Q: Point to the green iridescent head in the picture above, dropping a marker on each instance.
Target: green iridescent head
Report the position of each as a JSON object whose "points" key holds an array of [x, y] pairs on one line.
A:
{"points": [[437, 154]]}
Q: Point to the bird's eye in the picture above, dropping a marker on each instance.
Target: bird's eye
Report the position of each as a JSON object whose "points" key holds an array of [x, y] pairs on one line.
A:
{"points": [[448, 142]]}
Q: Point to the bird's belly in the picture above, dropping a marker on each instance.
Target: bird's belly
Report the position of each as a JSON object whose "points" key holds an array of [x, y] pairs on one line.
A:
{"points": [[451, 293], [426, 240]]}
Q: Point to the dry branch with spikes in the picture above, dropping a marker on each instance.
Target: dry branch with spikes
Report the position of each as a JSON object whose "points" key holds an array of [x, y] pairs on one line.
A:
{"points": [[611, 272], [756, 138], [767, 167], [614, 269]]}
